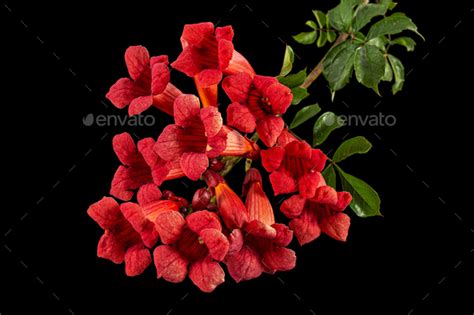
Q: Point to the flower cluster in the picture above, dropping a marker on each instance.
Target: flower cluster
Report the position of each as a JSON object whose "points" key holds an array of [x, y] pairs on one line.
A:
{"points": [[144, 224]]}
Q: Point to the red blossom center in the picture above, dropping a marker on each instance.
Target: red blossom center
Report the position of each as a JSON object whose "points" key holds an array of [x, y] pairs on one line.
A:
{"points": [[191, 246]]}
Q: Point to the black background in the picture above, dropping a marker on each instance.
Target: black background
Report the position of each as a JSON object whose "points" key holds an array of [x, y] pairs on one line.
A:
{"points": [[414, 260]]}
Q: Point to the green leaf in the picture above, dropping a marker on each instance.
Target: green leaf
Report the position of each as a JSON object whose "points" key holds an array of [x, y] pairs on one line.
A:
{"points": [[406, 42], [320, 18], [312, 24], [305, 114], [299, 94], [388, 75], [306, 38], [399, 73], [294, 80], [366, 13], [332, 36], [324, 125], [322, 39], [329, 175], [369, 66], [378, 42], [338, 65], [340, 17], [288, 60], [393, 24], [356, 145], [389, 4], [365, 200]]}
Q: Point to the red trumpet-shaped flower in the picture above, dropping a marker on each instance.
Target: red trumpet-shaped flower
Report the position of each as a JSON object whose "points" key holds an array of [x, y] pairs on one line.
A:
{"points": [[195, 137], [262, 245], [258, 104], [294, 166], [193, 246], [148, 84], [206, 55], [121, 241], [320, 212], [141, 165]]}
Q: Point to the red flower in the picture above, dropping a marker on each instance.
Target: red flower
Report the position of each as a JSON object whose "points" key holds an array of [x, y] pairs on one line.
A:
{"points": [[195, 137], [294, 166], [149, 84], [231, 208], [121, 241], [140, 166], [238, 145], [320, 212], [258, 104], [194, 246], [262, 247], [206, 55]]}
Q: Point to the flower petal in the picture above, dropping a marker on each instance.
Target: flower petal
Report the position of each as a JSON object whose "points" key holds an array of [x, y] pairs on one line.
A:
{"points": [[169, 264], [135, 216], [186, 108], [110, 248], [272, 158], [225, 32], [105, 212], [309, 183], [125, 149], [212, 120], [239, 64], [306, 227], [216, 145], [279, 258], [168, 145], [285, 138], [232, 209], [318, 160], [258, 206], [127, 179], [238, 145], [170, 226], [336, 226], [148, 193], [260, 229], [325, 195], [293, 206], [160, 77], [216, 243], [197, 34], [225, 50], [137, 59], [140, 104], [208, 77], [279, 96], [282, 183], [240, 117], [269, 129], [200, 220], [194, 164], [343, 200], [263, 82], [284, 234], [206, 274], [186, 63], [124, 91], [137, 259], [237, 87], [236, 241], [244, 265]]}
